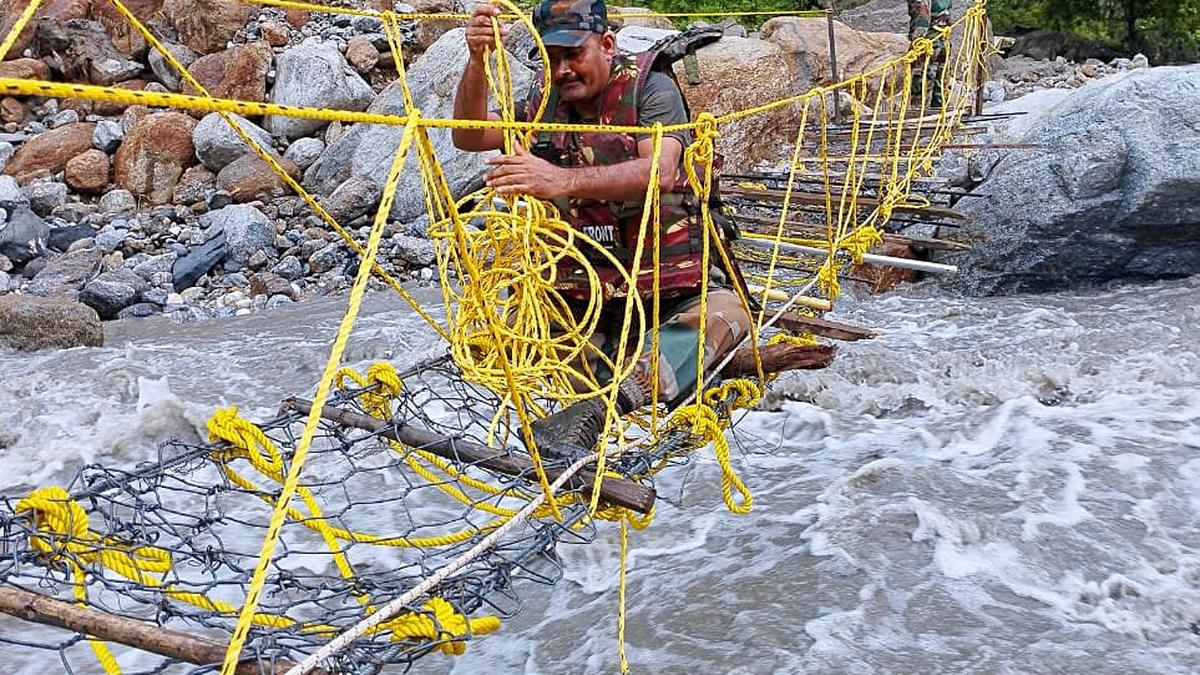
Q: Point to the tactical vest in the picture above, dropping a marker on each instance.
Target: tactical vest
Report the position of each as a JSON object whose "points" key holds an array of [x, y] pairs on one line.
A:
{"points": [[615, 225]]}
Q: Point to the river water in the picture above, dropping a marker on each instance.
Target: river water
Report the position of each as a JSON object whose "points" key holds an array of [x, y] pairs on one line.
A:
{"points": [[997, 485]]}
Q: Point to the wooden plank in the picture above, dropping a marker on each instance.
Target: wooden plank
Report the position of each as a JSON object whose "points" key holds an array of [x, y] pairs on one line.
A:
{"points": [[817, 233], [825, 328], [147, 637], [779, 358], [617, 491], [818, 199]]}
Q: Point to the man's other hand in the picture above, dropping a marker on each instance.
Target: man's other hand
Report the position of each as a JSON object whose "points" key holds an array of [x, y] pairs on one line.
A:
{"points": [[523, 173], [479, 31]]}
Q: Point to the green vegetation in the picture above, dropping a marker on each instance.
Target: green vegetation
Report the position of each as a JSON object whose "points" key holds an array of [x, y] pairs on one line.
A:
{"points": [[1164, 30]]}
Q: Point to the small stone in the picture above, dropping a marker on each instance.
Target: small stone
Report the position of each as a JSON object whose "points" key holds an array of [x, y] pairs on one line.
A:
{"points": [[219, 200], [414, 250], [276, 34], [1088, 70], [11, 195], [1139, 61], [6, 152], [250, 178], [362, 54], [66, 274], [163, 70], [304, 152], [140, 310], [118, 202], [112, 292], [5, 264], [278, 301], [62, 118], [110, 240], [70, 238], [155, 265], [426, 274], [246, 230], [191, 295], [4, 282], [107, 136], [12, 111], [257, 259], [45, 197], [325, 259], [289, 268], [88, 173]]}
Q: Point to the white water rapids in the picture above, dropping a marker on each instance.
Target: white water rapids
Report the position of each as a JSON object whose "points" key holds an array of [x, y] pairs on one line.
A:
{"points": [[998, 485]]}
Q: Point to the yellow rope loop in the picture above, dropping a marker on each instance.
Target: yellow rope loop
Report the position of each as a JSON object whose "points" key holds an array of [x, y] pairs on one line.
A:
{"points": [[439, 621], [383, 385], [748, 393], [701, 151], [705, 425], [248, 441]]}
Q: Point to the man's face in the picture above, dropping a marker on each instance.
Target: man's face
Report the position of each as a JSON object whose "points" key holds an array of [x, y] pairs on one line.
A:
{"points": [[581, 73]]}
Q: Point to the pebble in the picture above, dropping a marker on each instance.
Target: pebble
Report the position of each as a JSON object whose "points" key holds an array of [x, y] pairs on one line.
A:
{"points": [[5, 281], [62, 118], [118, 201]]}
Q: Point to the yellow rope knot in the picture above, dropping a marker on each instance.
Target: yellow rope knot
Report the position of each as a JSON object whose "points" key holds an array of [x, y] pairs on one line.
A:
{"points": [[860, 241], [440, 621], [787, 338], [701, 151], [748, 393], [383, 384], [704, 424], [248, 441]]}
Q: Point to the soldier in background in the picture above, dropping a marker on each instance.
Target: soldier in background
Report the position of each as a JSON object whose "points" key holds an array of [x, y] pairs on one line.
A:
{"points": [[925, 17]]}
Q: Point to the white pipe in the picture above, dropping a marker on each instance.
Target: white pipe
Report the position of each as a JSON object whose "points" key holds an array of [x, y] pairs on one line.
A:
{"points": [[886, 260]]}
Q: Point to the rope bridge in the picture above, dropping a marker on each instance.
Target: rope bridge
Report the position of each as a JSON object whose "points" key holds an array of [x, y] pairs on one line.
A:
{"points": [[396, 513]]}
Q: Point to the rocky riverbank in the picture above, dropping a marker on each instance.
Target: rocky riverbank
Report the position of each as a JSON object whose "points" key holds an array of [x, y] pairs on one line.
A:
{"points": [[137, 211]]}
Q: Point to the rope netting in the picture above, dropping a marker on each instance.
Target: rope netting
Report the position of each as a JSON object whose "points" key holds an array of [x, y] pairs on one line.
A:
{"points": [[368, 526]]}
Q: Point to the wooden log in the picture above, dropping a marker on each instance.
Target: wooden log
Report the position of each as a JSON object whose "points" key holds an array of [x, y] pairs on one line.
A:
{"points": [[617, 491], [825, 328], [148, 637], [779, 358]]}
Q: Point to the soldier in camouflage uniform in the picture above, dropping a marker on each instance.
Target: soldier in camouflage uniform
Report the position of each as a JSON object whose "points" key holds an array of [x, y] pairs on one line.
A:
{"points": [[924, 18], [598, 183]]}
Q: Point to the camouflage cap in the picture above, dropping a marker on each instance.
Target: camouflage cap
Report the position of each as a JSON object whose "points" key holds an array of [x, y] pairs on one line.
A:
{"points": [[567, 23]]}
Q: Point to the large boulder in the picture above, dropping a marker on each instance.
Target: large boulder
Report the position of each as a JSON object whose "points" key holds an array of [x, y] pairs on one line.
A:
{"points": [[51, 150], [737, 73], [366, 150], [11, 10], [217, 144], [206, 26], [1115, 183], [238, 73], [83, 52], [30, 323], [805, 41], [154, 154], [314, 74], [127, 39], [249, 178]]}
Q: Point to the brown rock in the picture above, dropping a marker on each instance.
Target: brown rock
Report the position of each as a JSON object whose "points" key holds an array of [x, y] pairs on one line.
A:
{"points": [[194, 185], [806, 42], [426, 33], [26, 69], [206, 25], [296, 18], [154, 154], [361, 54], [108, 108], [12, 110], [881, 279], [88, 172], [275, 33], [63, 10], [50, 150], [238, 73], [30, 323], [763, 74], [127, 39], [132, 115], [36, 176], [249, 178], [269, 283]]}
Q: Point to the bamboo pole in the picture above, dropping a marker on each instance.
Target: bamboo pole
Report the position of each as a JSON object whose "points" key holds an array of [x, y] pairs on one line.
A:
{"points": [[173, 644]]}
